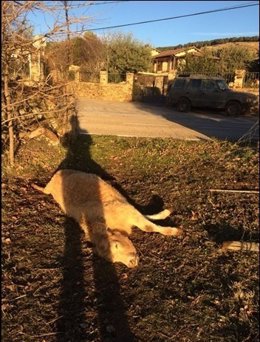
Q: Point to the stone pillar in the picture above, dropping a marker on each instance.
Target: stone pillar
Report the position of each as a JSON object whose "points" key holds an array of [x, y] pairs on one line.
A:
{"points": [[172, 75], [239, 78], [130, 78], [77, 76], [35, 71], [103, 77], [75, 69], [159, 83]]}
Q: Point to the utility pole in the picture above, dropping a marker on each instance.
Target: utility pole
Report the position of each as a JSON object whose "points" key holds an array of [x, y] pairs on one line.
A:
{"points": [[66, 9], [67, 18]]}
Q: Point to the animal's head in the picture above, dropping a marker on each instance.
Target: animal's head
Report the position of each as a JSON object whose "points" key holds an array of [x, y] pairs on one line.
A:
{"points": [[122, 249]]}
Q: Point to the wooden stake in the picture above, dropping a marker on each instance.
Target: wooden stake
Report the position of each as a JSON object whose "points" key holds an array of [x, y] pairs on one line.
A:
{"points": [[240, 246], [235, 191]]}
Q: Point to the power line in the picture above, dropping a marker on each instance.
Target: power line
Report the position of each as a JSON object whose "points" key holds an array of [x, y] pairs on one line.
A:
{"points": [[106, 2], [171, 18], [162, 19]]}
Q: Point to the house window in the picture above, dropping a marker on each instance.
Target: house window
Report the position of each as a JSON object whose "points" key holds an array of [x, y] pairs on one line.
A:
{"points": [[165, 66], [159, 66]]}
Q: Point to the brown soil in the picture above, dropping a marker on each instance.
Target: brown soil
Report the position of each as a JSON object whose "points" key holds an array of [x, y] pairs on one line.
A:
{"points": [[55, 289]]}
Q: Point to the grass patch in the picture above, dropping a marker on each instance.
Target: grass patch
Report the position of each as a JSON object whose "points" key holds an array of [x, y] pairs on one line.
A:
{"points": [[183, 290]]}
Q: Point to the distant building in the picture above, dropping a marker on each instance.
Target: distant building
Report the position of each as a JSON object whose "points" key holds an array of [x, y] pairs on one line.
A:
{"points": [[36, 59], [154, 52], [168, 61], [34, 69]]}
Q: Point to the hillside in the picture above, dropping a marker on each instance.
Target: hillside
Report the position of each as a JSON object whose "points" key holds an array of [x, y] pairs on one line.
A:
{"points": [[253, 46], [251, 43]]}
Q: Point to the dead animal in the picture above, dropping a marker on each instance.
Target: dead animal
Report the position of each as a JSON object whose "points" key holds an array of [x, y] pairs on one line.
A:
{"points": [[103, 213]]}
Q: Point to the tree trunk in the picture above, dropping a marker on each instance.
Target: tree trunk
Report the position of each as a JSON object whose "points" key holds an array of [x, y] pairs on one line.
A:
{"points": [[10, 119]]}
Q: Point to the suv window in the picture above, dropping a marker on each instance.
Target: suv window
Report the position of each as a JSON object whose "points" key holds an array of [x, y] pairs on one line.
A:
{"points": [[222, 85], [208, 85], [179, 83], [195, 84]]}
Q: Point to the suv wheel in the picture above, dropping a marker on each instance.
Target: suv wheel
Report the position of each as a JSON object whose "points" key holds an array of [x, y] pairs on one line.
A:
{"points": [[184, 105], [233, 108]]}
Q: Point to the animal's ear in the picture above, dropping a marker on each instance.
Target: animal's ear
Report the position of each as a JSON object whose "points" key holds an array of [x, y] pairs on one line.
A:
{"points": [[117, 232], [109, 232]]}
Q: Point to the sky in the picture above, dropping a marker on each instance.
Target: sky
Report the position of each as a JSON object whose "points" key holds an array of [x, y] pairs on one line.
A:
{"points": [[232, 23]]}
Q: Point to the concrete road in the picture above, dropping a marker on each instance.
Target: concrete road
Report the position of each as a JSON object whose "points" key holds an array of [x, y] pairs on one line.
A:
{"points": [[135, 119]]}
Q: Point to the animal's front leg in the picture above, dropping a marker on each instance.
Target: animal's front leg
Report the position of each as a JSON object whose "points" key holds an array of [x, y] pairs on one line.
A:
{"points": [[85, 229], [91, 229], [171, 231], [149, 227]]}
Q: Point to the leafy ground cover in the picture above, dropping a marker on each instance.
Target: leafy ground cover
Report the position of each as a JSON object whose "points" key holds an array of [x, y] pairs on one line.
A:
{"points": [[187, 289]]}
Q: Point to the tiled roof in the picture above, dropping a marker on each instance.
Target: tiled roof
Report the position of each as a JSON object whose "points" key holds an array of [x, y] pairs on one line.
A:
{"points": [[173, 52]]}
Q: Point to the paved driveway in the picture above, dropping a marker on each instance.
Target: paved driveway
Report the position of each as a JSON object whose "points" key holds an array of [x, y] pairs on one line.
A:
{"points": [[136, 119]]}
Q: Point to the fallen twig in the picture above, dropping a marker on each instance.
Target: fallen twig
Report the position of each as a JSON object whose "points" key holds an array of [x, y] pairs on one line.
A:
{"points": [[12, 300], [235, 191], [54, 320], [41, 335], [240, 246]]}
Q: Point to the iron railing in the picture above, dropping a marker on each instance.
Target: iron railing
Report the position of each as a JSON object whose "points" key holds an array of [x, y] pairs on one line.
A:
{"points": [[92, 77], [116, 77], [251, 80]]}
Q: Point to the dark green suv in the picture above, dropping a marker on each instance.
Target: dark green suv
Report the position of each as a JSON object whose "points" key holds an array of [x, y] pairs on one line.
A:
{"points": [[207, 92]]}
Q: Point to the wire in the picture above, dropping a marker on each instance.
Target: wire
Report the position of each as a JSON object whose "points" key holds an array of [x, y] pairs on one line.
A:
{"points": [[172, 18], [105, 2], [162, 19]]}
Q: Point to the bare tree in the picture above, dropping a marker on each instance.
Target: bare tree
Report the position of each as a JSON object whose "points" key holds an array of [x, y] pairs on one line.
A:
{"points": [[29, 100]]}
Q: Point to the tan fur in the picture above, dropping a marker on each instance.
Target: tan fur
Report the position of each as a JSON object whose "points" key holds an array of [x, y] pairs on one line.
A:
{"points": [[103, 213]]}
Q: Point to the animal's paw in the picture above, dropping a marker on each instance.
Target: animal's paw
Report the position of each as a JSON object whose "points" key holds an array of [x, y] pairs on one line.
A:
{"points": [[172, 231]]}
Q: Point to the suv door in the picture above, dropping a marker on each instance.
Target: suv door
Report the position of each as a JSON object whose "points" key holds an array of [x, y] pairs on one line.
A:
{"points": [[193, 92], [211, 95], [176, 90]]}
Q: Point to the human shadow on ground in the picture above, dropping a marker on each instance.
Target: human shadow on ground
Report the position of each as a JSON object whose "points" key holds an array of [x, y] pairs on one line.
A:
{"points": [[78, 143], [111, 311]]}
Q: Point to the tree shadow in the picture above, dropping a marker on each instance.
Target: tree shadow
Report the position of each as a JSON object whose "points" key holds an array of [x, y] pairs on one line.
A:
{"points": [[209, 122], [111, 311]]}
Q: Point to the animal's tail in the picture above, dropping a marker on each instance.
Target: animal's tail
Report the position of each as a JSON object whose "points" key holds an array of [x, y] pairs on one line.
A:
{"points": [[39, 188], [160, 216]]}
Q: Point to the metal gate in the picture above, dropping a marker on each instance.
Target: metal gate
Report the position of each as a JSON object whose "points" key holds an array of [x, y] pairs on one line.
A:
{"points": [[150, 88]]}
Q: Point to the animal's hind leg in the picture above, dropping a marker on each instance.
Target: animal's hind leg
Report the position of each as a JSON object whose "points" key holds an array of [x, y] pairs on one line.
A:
{"points": [[149, 227]]}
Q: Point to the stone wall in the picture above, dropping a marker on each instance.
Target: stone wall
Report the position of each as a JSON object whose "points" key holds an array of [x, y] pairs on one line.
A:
{"points": [[254, 91], [121, 92]]}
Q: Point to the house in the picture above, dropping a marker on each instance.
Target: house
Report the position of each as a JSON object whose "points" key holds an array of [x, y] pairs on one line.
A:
{"points": [[28, 66], [168, 61], [154, 52], [36, 59]]}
